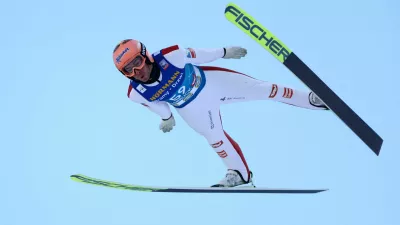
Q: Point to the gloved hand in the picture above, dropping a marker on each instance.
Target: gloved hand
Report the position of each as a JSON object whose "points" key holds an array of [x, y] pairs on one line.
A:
{"points": [[166, 125], [234, 52]]}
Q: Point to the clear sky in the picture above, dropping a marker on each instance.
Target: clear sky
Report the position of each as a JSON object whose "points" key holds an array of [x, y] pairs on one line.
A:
{"points": [[64, 111]]}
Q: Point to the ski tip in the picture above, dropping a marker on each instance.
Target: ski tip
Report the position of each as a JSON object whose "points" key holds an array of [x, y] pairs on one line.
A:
{"points": [[377, 149], [76, 177]]}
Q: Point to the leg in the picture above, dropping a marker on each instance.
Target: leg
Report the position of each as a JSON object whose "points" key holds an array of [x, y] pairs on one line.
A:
{"points": [[237, 87], [203, 116]]}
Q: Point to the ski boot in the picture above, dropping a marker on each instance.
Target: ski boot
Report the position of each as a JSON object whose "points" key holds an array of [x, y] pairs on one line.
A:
{"points": [[233, 178], [316, 101]]}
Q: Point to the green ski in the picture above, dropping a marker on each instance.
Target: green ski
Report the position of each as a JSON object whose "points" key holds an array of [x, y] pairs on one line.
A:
{"points": [[287, 57], [132, 187]]}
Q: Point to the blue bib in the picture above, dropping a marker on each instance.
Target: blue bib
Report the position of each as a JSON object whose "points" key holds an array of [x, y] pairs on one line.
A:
{"points": [[177, 86]]}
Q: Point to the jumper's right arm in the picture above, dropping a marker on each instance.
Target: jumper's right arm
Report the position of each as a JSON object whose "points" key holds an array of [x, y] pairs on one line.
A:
{"points": [[160, 108]]}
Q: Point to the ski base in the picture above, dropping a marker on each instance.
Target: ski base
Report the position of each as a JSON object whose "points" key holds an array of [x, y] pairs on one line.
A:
{"points": [[132, 187]]}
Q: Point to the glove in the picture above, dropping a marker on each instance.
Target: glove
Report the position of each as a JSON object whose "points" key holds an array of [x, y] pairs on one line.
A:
{"points": [[166, 125], [234, 52]]}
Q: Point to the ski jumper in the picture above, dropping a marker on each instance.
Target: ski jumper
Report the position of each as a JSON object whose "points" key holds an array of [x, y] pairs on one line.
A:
{"points": [[197, 92]]}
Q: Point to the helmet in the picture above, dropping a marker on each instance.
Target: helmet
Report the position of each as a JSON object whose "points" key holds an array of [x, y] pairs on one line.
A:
{"points": [[130, 55]]}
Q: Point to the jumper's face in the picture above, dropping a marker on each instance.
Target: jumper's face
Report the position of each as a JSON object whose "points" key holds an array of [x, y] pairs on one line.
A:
{"points": [[138, 69], [144, 73]]}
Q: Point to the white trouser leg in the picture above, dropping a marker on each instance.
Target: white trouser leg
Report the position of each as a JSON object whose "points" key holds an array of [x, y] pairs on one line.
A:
{"points": [[234, 87], [203, 116]]}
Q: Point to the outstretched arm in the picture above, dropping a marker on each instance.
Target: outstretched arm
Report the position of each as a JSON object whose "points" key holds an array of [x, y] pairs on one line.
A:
{"points": [[206, 55], [181, 56], [203, 55]]}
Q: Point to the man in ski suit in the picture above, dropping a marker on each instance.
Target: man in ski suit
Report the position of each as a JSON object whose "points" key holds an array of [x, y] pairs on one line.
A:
{"points": [[172, 76]]}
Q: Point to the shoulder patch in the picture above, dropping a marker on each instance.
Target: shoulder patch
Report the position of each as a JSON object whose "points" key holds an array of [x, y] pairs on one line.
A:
{"points": [[190, 53], [169, 49], [129, 90]]}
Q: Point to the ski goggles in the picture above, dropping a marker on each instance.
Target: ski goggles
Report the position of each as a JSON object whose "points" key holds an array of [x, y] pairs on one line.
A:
{"points": [[136, 63]]}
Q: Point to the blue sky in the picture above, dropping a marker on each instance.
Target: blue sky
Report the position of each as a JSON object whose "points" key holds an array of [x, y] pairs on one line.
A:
{"points": [[65, 111]]}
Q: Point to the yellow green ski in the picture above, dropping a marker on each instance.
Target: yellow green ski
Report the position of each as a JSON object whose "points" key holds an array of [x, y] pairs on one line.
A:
{"points": [[287, 57], [132, 187]]}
